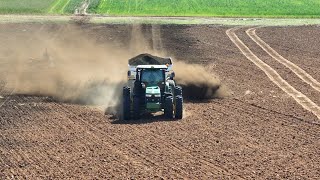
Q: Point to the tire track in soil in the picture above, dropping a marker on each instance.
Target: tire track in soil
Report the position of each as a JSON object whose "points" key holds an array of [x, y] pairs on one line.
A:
{"points": [[275, 98], [133, 148], [303, 75], [300, 98], [158, 47], [223, 112]]}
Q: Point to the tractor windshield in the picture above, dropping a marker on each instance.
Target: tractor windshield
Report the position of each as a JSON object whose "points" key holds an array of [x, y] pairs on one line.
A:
{"points": [[153, 76]]}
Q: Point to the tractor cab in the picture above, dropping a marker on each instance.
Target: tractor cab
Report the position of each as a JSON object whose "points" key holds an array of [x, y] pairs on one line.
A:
{"points": [[151, 88], [152, 79]]}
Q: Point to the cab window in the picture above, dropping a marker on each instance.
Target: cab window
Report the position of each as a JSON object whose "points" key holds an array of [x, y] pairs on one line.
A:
{"points": [[152, 76]]}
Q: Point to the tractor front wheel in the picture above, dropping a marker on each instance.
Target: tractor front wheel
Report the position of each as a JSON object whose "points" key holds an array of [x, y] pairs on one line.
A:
{"points": [[179, 107], [126, 103], [168, 108], [136, 107]]}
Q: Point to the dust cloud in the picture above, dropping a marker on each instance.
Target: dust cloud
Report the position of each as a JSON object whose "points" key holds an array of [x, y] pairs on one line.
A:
{"points": [[197, 83], [69, 65]]}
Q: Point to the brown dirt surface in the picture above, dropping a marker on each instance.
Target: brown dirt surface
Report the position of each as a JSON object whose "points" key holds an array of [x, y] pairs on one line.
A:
{"points": [[258, 132], [284, 72], [301, 49]]}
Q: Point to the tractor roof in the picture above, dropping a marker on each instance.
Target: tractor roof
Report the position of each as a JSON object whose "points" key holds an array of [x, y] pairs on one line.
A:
{"points": [[152, 67], [148, 59]]}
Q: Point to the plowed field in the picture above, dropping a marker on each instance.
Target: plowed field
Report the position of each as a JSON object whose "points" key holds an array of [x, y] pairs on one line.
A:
{"points": [[260, 131]]}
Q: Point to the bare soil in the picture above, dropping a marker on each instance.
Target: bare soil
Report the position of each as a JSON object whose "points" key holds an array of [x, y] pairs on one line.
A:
{"points": [[258, 132]]}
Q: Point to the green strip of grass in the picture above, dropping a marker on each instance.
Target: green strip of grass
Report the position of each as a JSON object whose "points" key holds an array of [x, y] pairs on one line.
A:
{"points": [[219, 8], [93, 6], [39, 6], [72, 6], [25, 6], [58, 7]]}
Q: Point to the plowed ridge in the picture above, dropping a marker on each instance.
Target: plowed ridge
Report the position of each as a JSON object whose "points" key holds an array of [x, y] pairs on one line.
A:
{"points": [[274, 54], [303, 100]]}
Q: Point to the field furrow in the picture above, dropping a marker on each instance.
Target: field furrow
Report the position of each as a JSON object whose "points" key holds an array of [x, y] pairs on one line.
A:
{"points": [[303, 100], [137, 153], [293, 67], [261, 127]]}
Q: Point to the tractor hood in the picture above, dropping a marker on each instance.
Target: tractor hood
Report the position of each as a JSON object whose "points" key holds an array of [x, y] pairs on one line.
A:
{"points": [[153, 90], [153, 98]]}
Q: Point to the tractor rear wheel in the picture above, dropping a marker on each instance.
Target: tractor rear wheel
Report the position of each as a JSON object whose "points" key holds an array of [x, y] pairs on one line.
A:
{"points": [[136, 107], [168, 108], [126, 103], [179, 107], [178, 91]]}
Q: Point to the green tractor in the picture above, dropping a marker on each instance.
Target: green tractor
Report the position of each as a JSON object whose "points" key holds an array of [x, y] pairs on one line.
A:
{"points": [[151, 88]]}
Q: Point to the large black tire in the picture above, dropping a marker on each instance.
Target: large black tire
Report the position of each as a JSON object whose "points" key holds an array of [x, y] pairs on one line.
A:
{"points": [[137, 90], [168, 107], [126, 103], [178, 91], [179, 107], [136, 107]]}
